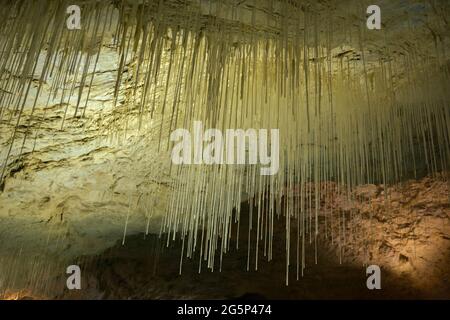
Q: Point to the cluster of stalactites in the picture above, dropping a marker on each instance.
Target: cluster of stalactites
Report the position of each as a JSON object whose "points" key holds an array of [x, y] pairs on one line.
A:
{"points": [[342, 116]]}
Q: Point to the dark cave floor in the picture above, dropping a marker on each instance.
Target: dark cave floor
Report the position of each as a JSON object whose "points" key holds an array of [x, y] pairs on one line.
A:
{"points": [[146, 269]]}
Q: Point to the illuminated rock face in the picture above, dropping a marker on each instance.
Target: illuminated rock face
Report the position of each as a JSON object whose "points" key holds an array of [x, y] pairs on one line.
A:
{"points": [[86, 116]]}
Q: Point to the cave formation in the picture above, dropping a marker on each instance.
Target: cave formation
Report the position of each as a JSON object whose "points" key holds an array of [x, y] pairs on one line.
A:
{"points": [[86, 170]]}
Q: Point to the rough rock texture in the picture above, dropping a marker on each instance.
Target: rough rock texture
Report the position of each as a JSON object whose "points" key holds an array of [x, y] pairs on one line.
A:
{"points": [[78, 189], [408, 232]]}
